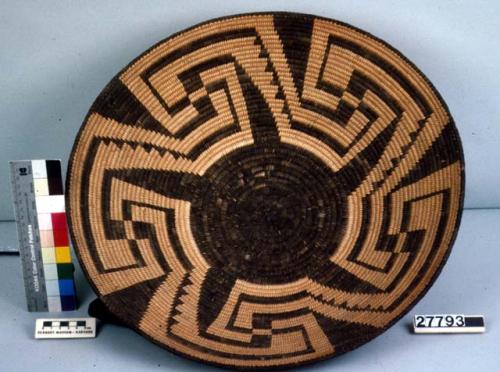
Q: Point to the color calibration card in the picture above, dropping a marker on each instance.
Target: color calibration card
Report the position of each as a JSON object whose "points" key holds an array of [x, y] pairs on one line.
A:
{"points": [[43, 235]]}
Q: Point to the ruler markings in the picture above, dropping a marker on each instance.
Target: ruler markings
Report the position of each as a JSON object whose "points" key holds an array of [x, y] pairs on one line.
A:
{"points": [[43, 237], [29, 239]]}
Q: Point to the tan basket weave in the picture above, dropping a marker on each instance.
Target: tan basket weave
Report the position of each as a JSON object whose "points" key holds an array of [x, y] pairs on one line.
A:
{"points": [[265, 190]]}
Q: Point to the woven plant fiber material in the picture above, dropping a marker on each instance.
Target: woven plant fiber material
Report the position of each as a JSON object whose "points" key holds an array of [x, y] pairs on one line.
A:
{"points": [[265, 190]]}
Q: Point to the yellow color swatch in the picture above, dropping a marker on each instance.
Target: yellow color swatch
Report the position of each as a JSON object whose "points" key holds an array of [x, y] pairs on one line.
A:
{"points": [[63, 255]]}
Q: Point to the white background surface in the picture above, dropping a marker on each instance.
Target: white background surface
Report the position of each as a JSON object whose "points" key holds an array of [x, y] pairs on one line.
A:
{"points": [[469, 283], [55, 58]]}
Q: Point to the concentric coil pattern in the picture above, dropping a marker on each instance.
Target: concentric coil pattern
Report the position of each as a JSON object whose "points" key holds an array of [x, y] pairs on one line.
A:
{"points": [[265, 190]]}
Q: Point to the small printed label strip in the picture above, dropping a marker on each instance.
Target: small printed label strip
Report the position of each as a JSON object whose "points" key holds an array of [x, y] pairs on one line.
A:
{"points": [[448, 323], [65, 328]]}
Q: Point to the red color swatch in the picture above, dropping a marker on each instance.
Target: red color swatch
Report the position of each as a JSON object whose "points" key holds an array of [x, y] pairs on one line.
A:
{"points": [[58, 221], [60, 238]]}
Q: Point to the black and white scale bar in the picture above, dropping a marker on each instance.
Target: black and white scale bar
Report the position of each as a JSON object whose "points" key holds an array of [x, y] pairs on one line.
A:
{"points": [[65, 328], [448, 323]]}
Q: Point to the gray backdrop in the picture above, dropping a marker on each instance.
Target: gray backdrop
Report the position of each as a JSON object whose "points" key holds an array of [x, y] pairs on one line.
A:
{"points": [[56, 56]]}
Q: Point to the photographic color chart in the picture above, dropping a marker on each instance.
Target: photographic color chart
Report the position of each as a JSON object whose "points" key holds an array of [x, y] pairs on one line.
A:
{"points": [[43, 235]]}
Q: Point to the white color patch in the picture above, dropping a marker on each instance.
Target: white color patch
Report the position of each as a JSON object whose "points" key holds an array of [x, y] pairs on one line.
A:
{"points": [[45, 221], [50, 204], [39, 168]]}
